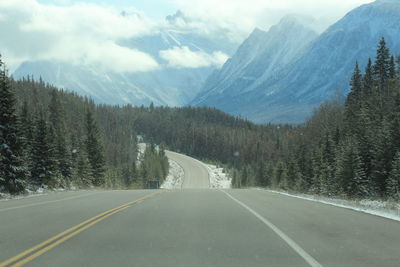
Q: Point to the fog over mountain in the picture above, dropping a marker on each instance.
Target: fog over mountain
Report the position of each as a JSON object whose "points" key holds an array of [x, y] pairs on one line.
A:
{"points": [[185, 59]]}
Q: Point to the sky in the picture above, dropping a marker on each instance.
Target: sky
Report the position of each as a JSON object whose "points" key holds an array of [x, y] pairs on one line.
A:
{"points": [[88, 32]]}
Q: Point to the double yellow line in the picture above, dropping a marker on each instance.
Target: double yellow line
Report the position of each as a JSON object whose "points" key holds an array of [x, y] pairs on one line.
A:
{"points": [[56, 240]]}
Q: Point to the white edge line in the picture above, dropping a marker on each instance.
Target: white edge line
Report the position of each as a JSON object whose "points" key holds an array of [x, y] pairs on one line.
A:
{"points": [[46, 202], [366, 210], [307, 257]]}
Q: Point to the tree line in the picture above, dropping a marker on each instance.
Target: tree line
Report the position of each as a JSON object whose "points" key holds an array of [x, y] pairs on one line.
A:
{"points": [[50, 138], [349, 147]]}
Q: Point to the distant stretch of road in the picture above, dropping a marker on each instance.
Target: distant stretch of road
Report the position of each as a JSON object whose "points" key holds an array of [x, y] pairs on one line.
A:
{"points": [[190, 227], [196, 174]]}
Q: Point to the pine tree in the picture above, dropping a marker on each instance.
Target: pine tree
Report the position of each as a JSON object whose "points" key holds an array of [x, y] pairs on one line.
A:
{"points": [[94, 150], [12, 171], [353, 101], [368, 80], [392, 68], [260, 174], [56, 119], [393, 182], [398, 67], [382, 71], [244, 177], [280, 175], [81, 174], [134, 173], [26, 125], [43, 161], [318, 169], [126, 176], [350, 171], [382, 63], [394, 120], [164, 161]]}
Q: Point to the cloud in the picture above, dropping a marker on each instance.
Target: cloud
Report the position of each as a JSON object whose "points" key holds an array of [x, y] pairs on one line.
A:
{"points": [[241, 17], [183, 57], [91, 34], [80, 33]]}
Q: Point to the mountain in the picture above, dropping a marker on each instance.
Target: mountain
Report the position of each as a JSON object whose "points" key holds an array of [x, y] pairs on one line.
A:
{"points": [[165, 86], [261, 57], [316, 74]]}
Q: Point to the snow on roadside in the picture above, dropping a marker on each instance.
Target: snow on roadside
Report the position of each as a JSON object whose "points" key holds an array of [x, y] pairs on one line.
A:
{"points": [[218, 178], [386, 209], [175, 176], [38, 192]]}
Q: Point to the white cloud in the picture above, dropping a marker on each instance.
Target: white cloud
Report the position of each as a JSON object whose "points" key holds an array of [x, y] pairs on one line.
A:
{"points": [[81, 34], [241, 17], [90, 34], [183, 57]]}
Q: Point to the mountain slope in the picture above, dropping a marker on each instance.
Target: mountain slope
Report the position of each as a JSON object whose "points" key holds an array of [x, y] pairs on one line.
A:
{"points": [[323, 69], [261, 57]]}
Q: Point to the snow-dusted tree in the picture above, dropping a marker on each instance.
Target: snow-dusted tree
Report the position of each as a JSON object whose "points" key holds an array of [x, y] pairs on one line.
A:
{"points": [[12, 171], [56, 120], [94, 150], [43, 162], [393, 182], [382, 63], [350, 171]]}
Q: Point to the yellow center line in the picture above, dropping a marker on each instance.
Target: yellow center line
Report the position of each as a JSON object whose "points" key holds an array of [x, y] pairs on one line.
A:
{"points": [[68, 234]]}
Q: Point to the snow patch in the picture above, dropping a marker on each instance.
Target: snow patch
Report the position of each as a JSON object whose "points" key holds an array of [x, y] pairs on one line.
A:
{"points": [[218, 177], [386, 209], [175, 176]]}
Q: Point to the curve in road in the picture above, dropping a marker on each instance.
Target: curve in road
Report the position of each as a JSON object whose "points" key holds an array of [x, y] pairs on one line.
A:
{"points": [[196, 174]]}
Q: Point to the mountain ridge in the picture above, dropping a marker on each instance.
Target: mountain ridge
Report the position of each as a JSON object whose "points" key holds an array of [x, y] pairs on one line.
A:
{"points": [[320, 72]]}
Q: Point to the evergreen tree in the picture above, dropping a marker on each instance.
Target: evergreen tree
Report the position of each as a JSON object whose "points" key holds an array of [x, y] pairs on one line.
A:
{"points": [[350, 171], [368, 80], [94, 150], [43, 161], [383, 153], [56, 119], [163, 161], [382, 71], [353, 101], [318, 170], [261, 179], [394, 120], [280, 175], [393, 183], [244, 177], [81, 174], [382, 63], [26, 126], [392, 68], [134, 173], [398, 67], [12, 171]]}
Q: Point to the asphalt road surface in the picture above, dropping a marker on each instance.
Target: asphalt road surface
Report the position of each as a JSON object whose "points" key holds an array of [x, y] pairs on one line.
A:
{"points": [[191, 227], [196, 174]]}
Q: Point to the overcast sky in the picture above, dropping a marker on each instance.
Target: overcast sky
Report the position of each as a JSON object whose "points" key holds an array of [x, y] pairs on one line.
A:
{"points": [[87, 31]]}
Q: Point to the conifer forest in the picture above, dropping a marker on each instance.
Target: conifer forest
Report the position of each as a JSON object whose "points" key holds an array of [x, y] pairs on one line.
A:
{"points": [[349, 147]]}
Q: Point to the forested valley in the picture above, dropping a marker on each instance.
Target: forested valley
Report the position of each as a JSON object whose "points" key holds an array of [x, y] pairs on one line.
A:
{"points": [[350, 147]]}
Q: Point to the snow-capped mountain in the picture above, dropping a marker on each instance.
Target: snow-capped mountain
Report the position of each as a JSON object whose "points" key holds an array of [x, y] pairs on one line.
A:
{"points": [[164, 86], [290, 95], [261, 57]]}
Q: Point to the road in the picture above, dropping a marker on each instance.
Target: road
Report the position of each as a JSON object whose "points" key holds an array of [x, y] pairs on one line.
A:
{"points": [[191, 227], [196, 174]]}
